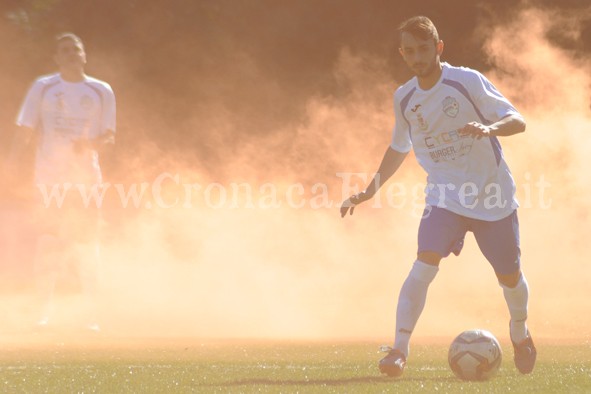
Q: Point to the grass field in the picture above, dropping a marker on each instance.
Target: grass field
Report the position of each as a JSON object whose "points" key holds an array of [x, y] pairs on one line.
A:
{"points": [[98, 365]]}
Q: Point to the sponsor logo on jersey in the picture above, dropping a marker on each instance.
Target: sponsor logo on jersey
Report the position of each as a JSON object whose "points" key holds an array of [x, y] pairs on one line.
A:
{"points": [[422, 123], [451, 107], [448, 145]]}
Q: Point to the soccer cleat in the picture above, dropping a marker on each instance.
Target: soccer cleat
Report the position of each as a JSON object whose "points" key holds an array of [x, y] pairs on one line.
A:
{"points": [[525, 354], [393, 364]]}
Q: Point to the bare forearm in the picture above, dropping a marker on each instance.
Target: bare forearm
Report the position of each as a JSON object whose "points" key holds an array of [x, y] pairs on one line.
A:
{"points": [[509, 125], [390, 163], [20, 141]]}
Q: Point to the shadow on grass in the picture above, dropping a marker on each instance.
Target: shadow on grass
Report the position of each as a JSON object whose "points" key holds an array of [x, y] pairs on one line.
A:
{"points": [[321, 382]]}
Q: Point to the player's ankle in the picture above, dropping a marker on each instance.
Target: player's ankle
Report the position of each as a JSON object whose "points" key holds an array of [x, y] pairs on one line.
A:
{"points": [[518, 331]]}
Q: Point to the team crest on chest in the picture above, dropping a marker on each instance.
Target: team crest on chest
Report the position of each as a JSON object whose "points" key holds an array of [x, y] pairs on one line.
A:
{"points": [[451, 107], [423, 125]]}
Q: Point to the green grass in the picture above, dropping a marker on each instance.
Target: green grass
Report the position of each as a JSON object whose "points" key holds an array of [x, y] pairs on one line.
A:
{"points": [[134, 366]]}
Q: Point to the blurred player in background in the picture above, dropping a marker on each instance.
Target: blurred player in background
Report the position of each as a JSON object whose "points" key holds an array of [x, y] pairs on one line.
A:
{"points": [[71, 117], [451, 117]]}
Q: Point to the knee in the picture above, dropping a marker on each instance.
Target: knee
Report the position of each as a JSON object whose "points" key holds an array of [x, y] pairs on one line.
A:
{"points": [[431, 258], [509, 280]]}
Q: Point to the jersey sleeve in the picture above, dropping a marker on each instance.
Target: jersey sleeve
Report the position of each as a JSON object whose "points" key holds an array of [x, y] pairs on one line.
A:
{"points": [[109, 111], [401, 141], [493, 105], [30, 111]]}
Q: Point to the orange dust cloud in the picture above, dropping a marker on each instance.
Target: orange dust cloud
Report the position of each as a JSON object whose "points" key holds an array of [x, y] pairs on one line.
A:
{"points": [[255, 247], [552, 88]]}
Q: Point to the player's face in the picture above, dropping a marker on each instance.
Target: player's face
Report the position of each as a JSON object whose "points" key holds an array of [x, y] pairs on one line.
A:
{"points": [[70, 54], [421, 56]]}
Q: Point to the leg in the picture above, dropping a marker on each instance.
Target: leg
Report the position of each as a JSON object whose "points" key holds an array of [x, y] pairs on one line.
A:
{"points": [[88, 261], [516, 292], [49, 259], [509, 280], [410, 305], [441, 232], [499, 242], [413, 295], [85, 248], [428, 257], [48, 265]]}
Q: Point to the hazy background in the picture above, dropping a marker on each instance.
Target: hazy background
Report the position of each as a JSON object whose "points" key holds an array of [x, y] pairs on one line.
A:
{"points": [[272, 94]]}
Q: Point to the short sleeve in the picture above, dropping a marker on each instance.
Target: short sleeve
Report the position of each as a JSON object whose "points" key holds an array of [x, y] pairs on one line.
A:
{"points": [[30, 111], [493, 105], [401, 140], [109, 110]]}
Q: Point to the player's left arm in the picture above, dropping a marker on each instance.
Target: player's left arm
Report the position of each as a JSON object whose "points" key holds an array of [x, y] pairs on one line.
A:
{"points": [[509, 125], [107, 120], [12, 162]]}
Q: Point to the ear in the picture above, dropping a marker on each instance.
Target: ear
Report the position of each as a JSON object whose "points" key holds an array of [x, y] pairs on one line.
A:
{"points": [[439, 47], [401, 52]]}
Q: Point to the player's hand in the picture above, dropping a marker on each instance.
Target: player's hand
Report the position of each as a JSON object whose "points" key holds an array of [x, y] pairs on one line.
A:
{"points": [[475, 129], [350, 203]]}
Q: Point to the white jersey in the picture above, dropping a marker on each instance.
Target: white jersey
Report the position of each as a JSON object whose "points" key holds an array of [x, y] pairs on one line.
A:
{"points": [[464, 175], [63, 112]]}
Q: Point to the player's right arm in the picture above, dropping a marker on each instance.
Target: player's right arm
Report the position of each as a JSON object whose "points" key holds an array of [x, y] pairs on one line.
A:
{"points": [[11, 166], [390, 163], [27, 119], [22, 138], [393, 158]]}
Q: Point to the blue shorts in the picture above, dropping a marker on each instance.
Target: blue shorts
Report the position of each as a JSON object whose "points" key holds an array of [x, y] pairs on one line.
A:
{"points": [[443, 231]]}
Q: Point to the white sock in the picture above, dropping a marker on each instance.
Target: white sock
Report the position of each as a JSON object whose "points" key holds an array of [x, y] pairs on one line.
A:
{"points": [[516, 298], [411, 302]]}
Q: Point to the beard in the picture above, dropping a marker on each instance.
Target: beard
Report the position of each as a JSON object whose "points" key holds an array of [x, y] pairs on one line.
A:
{"points": [[424, 69]]}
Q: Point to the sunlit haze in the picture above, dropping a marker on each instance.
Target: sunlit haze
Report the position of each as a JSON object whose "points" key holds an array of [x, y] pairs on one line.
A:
{"points": [[246, 241]]}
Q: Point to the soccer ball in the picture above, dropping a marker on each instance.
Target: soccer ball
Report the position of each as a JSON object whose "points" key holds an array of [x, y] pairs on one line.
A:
{"points": [[475, 355]]}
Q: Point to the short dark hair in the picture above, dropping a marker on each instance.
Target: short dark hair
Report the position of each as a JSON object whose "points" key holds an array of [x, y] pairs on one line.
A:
{"points": [[68, 36], [420, 27]]}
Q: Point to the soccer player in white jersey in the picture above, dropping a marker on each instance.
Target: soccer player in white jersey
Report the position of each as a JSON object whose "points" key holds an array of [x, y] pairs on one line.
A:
{"points": [[452, 118], [72, 117]]}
